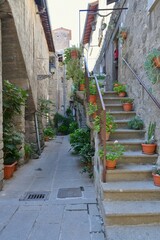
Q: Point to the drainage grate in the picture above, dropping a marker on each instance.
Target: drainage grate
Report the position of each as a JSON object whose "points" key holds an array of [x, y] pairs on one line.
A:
{"points": [[35, 196], [69, 192]]}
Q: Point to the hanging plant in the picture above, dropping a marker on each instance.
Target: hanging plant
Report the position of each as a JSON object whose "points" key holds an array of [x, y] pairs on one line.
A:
{"points": [[152, 66]]}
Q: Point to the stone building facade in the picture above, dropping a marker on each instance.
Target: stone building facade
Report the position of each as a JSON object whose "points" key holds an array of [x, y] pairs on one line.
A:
{"points": [[24, 56], [62, 86], [142, 22]]}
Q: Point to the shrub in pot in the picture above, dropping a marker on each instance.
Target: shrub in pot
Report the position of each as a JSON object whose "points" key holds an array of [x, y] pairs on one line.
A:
{"points": [[156, 175], [110, 125], [120, 89], [149, 146], [136, 123], [127, 104]]}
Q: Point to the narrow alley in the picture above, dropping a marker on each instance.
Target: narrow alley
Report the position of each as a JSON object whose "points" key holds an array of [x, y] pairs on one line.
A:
{"points": [[52, 199]]}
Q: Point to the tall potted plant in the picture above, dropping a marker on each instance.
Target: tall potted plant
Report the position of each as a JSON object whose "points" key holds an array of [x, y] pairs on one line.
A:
{"points": [[149, 146]]}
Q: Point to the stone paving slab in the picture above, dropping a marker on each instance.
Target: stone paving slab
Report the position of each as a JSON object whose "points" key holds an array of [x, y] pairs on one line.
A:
{"points": [[73, 218]]}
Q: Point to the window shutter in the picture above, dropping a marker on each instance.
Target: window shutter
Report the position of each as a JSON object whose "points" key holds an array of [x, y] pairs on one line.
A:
{"points": [[111, 1]]}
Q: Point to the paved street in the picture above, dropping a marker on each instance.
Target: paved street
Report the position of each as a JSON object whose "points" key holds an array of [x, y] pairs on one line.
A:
{"points": [[48, 198]]}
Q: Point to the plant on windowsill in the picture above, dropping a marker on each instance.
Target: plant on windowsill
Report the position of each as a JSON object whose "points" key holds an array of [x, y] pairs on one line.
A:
{"points": [[136, 123], [113, 153], [152, 65], [127, 104], [149, 146], [120, 89]]}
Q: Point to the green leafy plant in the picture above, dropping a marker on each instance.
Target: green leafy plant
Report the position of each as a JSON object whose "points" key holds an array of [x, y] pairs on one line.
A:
{"points": [[13, 99], [45, 107], [151, 133], [87, 152], [127, 100], [156, 170], [73, 126], [136, 123], [92, 108], [113, 152], [67, 53], [96, 124], [92, 88], [110, 123], [48, 132], [152, 71], [79, 138], [120, 88]]}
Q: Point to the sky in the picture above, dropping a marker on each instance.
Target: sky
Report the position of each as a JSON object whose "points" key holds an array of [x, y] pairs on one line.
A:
{"points": [[65, 13]]}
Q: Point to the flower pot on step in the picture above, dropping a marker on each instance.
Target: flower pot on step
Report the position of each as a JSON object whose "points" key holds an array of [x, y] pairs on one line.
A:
{"points": [[156, 179], [149, 148], [82, 87], [111, 164], [92, 98], [127, 107], [122, 94]]}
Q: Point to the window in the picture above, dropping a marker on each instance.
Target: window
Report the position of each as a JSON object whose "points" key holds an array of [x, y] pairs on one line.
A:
{"points": [[111, 1], [151, 4]]}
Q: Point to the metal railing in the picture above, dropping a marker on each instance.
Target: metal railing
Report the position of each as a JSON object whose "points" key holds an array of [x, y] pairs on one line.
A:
{"points": [[101, 113], [142, 84]]}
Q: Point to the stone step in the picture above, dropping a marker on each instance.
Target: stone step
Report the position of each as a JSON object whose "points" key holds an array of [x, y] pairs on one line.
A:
{"points": [[130, 191], [129, 144], [114, 107], [110, 94], [127, 134], [142, 232], [137, 157], [122, 115], [131, 212], [122, 124], [113, 100], [129, 172]]}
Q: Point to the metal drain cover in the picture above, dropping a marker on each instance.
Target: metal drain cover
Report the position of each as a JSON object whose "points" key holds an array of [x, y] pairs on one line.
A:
{"points": [[69, 192], [35, 196]]}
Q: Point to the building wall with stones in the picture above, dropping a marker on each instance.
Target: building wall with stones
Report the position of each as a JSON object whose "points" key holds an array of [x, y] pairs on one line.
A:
{"points": [[1, 116], [62, 86], [25, 54], [143, 34]]}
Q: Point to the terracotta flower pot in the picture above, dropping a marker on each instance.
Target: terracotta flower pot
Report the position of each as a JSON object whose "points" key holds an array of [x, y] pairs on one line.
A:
{"points": [[111, 164], [122, 94], [107, 136], [9, 170], [81, 86], [149, 148], [74, 54], [94, 115], [124, 35], [127, 107], [156, 61], [156, 179], [92, 98]]}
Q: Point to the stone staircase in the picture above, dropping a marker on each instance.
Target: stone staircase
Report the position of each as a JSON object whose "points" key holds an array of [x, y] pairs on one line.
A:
{"points": [[131, 202]]}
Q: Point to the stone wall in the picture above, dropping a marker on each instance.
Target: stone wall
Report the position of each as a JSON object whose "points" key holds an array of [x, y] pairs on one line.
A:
{"points": [[1, 117]]}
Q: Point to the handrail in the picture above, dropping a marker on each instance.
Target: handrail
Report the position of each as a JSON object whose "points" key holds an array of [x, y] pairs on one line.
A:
{"points": [[102, 112], [142, 83]]}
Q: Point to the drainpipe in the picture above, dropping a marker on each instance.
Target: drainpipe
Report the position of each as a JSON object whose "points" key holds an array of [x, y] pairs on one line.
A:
{"points": [[37, 133]]}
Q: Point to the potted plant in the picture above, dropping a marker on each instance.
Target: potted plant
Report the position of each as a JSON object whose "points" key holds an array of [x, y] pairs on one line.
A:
{"points": [[48, 133], [122, 34], [149, 146], [127, 104], [28, 151], [92, 92], [113, 153], [152, 65], [110, 125], [136, 123], [120, 89], [156, 175], [92, 108], [96, 124]]}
